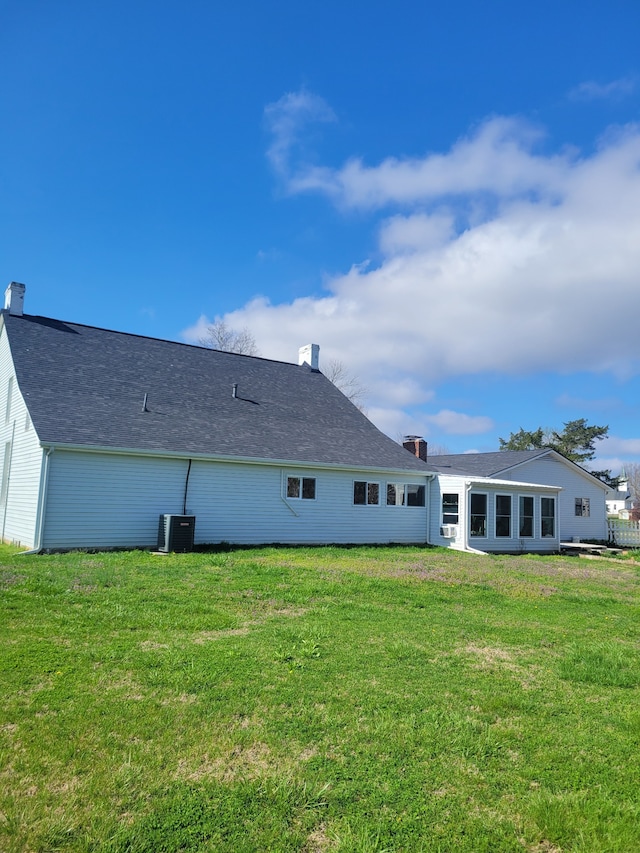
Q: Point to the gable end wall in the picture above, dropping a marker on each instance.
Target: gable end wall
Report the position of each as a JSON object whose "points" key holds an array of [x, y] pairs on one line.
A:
{"points": [[19, 512], [550, 471]]}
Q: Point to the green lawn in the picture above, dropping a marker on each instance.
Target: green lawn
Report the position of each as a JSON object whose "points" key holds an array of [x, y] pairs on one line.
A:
{"points": [[318, 699]]}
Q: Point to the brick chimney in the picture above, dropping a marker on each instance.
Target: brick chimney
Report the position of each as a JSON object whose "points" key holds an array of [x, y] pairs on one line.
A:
{"points": [[417, 445], [14, 298]]}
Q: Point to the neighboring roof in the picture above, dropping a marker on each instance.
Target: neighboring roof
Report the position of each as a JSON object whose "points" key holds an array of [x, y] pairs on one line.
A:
{"points": [[85, 386], [615, 495], [498, 462]]}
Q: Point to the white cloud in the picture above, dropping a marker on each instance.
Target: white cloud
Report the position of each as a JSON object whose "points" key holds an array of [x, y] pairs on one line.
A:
{"points": [[457, 423], [406, 234], [590, 90], [497, 158], [537, 280], [195, 333], [612, 445], [286, 118]]}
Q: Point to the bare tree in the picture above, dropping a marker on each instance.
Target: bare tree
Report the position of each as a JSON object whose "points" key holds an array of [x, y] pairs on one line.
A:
{"points": [[632, 470], [219, 336], [438, 450], [338, 373]]}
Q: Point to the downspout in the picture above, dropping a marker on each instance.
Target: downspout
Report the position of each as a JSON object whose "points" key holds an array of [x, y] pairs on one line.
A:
{"points": [[430, 479], [42, 502], [465, 530], [186, 488]]}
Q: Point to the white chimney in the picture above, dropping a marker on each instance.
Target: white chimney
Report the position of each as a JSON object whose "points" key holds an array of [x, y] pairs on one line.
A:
{"points": [[309, 354], [14, 298]]}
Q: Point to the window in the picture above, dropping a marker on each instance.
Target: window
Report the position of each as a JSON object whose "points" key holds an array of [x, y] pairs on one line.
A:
{"points": [[303, 488], [548, 516], [366, 494], [526, 516], [583, 508], [478, 522], [395, 494], [405, 494], [503, 515], [450, 508], [415, 495]]}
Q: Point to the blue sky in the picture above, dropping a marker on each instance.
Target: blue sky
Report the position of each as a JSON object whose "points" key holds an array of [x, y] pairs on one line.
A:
{"points": [[445, 197]]}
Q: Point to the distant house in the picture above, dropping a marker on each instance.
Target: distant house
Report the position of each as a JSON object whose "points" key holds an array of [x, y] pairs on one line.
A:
{"points": [[103, 432], [582, 509], [620, 501]]}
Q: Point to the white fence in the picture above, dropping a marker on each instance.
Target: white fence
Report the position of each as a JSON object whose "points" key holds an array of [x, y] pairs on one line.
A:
{"points": [[624, 532]]}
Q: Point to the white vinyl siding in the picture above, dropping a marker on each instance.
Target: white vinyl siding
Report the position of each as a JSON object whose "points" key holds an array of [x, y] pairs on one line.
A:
{"points": [[449, 485], [19, 512], [112, 500], [549, 470]]}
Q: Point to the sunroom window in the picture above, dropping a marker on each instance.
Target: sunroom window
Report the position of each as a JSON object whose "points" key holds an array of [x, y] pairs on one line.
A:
{"points": [[478, 520], [503, 515]]}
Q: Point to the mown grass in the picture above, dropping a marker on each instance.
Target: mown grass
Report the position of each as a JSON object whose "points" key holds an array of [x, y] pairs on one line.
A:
{"points": [[329, 699]]}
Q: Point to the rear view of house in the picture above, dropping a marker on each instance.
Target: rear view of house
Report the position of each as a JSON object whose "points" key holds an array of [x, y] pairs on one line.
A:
{"points": [[103, 432]]}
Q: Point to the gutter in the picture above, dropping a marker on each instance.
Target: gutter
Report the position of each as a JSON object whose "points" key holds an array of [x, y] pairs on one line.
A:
{"points": [[430, 479], [42, 502]]}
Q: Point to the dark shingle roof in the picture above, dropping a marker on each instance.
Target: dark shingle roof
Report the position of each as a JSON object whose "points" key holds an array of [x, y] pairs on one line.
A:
{"points": [[86, 386], [482, 464], [496, 463]]}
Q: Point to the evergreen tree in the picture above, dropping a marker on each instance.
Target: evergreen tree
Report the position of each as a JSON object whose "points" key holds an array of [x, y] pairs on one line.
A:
{"points": [[575, 442]]}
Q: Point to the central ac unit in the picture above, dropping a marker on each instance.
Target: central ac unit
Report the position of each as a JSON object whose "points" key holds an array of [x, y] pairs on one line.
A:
{"points": [[175, 533], [449, 531]]}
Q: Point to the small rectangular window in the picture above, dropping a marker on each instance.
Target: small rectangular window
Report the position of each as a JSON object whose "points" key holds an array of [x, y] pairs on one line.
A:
{"points": [[309, 488], [548, 516], [395, 494], [405, 494], [366, 494], [450, 508], [303, 488], [583, 508], [526, 516], [478, 522], [415, 494], [503, 516]]}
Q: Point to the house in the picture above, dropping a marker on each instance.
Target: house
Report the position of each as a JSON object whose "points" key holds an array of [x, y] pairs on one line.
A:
{"points": [[101, 432], [104, 432], [581, 509], [620, 501]]}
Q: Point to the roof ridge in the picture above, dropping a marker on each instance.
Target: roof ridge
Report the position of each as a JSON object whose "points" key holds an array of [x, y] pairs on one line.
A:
{"points": [[5, 312]]}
